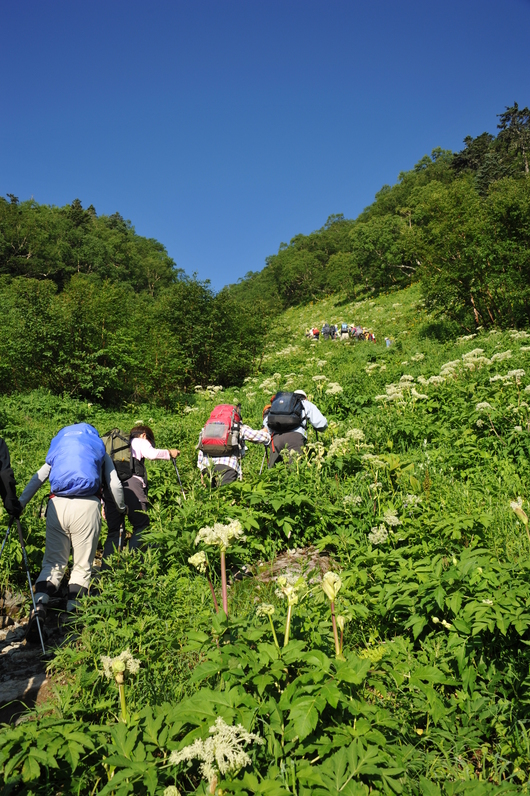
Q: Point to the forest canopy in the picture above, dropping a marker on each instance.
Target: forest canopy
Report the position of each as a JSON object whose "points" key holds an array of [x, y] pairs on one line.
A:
{"points": [[457, 222], [94, 310]]}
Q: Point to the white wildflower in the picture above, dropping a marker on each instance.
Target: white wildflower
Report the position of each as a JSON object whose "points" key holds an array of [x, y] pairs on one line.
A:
{"points": [[378, 535], [333, 388], [221, 535], [411, 501], [373, 460], [435, 620], [356, 434], [338, 447], [435, 380], [518, 428], [331, 585], [417, 357], [391, 518], [487, 602], [375, 485], [525, 348], [497, 377], [422, 380], [320, 378], [527, 388], [480, 423], [516, 374], [474, 353], [171, 790], [483, 406], [265, 609], [446, 624], [406, 377], [124, 662], [220, 754], [501, 356], [465, 337], [356, 500], [289, 587], [418, 395], [199, 561]]}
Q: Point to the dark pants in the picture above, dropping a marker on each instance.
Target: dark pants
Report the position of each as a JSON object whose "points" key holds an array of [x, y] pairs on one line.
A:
{"points": [[135, 496], [288, 441], [225, 475]]}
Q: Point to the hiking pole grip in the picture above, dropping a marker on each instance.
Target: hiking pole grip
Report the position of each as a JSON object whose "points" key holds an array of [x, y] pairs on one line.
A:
{"points": [[178, 476], [26, 562]]}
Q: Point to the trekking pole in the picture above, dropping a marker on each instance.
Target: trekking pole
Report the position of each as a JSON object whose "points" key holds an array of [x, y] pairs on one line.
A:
{"points": [[26, 562], [263, 460], [6, 537], [122, 534], [178, 476]]}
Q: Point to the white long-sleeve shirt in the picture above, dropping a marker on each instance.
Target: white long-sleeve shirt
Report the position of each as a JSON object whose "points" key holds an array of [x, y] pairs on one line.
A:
{"points": [[312, 415], [109, 474]]}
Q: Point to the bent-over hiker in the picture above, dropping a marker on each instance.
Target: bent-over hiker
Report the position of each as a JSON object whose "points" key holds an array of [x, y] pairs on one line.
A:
{"points": [[76, 465], [8, 490], [288, 423], [227, 469], [135, 488]]}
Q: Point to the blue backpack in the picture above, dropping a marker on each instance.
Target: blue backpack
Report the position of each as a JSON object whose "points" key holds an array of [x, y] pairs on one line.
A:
{"points": [[76, 457]]}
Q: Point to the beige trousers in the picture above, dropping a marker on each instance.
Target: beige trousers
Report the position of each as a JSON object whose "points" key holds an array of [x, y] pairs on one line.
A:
{"points": [[71, 523]]}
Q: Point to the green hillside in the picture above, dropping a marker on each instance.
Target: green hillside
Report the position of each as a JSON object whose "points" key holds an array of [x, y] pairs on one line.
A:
{"points": [[415, 497]]}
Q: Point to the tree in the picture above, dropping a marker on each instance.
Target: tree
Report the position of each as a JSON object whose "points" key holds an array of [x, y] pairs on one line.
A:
{"points": [[515, 131]]}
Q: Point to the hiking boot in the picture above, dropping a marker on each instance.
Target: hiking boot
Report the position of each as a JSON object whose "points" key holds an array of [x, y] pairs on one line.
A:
{"points": [[37, 617]]}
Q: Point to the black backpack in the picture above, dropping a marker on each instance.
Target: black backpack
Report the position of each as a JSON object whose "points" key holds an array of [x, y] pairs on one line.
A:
{"points": [[286, 412], [118, 446]]}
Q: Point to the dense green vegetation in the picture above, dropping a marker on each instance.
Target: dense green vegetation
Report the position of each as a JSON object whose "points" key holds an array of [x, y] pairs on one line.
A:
{"points": [[92, 309], [406, 496], [458, 223]]}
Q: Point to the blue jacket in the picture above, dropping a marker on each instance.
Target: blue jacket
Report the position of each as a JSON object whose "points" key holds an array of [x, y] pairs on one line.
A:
{"points": [[76, 457]]}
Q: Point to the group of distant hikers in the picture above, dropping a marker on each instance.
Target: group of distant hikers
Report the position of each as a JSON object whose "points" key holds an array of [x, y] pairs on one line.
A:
{"points": [[90, 476], [342, 331]]}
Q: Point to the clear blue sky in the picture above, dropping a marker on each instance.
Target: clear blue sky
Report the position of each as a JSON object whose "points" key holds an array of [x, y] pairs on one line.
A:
{"points": [[224, 127]]}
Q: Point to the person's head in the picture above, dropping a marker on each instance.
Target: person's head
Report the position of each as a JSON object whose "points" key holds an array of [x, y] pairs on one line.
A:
{"points": [[143, 431], [301, 393]]}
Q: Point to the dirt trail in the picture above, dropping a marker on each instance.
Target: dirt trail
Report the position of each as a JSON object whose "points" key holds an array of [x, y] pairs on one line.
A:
{"points": [[23, 679]]}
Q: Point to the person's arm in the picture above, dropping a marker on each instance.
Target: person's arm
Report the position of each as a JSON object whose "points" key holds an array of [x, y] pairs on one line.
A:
{"points": [[254, 435], [35, 484], [146, 450], [315, 416], [8, 487], [113, 482]]}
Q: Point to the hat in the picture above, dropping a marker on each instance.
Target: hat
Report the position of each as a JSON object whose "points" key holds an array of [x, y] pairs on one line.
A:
{"points": [[300, 392]]}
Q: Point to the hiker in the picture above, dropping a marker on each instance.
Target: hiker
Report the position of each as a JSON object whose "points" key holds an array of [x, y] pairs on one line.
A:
{"points": [[76, 464], [316, 333], [287, 421], [226, 468], [133, 477], [326, 330], [333, 331], [344, 331], [8, 490]]}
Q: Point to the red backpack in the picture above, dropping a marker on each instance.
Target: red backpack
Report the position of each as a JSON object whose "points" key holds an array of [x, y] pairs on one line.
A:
{"points": [[220, 435]]}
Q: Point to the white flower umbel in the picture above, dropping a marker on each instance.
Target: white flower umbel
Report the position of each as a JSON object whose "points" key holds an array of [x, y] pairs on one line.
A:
{"points": [[334, 388], [289, 588], [502, 356], [484, 406], [391, 518], [199, 561], [331, 585], [378, 534], [116, 668], [221, 536], [220, 754], [517, 507]]}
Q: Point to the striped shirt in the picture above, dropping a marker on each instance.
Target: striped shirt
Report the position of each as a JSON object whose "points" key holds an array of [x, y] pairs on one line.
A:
{"points": [[245, 433]]}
